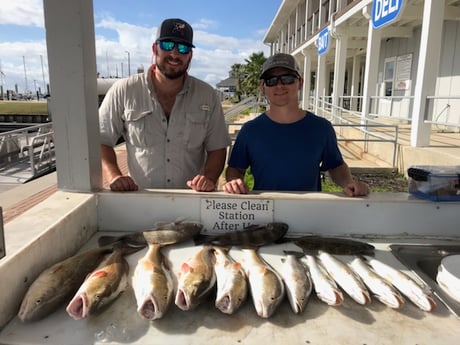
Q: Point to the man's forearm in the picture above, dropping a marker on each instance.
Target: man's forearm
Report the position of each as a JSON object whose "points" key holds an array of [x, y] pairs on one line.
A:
{"points": [[214, 165], [341, 175], [110, 167]]}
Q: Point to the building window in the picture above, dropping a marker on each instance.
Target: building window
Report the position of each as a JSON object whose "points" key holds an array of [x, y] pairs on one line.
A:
{"points": [[389, 72]]}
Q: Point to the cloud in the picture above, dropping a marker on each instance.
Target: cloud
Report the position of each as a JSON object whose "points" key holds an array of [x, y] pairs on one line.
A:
{"points": [[212, 58], [23, 13]]}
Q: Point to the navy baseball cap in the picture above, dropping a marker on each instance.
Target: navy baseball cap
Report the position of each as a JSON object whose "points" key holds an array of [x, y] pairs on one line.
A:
{"points": [[176, 30]]}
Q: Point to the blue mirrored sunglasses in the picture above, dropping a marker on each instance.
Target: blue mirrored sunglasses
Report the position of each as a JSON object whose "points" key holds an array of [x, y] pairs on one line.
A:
{"points": [[169, 45], [285, 79]]}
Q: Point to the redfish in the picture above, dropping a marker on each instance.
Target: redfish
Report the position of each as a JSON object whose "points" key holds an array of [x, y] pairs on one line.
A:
{"points": [[153, 284], [232, 285], [56, 284], [196, 279]]}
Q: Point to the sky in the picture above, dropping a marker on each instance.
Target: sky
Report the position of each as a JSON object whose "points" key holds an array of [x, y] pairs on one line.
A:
{"points": [[225, 33]]}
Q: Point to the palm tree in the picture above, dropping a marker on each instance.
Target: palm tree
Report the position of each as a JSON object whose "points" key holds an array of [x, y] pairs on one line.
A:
{"points": [[237, 72], [253, 70]]}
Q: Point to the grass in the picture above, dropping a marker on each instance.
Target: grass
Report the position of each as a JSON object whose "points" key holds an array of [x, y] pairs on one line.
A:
{"points": [[378, 183], [23, 107]]}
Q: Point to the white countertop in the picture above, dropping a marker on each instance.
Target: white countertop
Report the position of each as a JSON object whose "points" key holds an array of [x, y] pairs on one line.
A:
{"points": [[349, 323]]}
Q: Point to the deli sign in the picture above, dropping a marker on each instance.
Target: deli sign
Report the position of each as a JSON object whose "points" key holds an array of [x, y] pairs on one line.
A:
{"points": [[385, 12], [323, 41]]}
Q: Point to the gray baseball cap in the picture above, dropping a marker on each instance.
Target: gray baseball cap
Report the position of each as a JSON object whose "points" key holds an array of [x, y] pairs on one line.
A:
{"points": [[281, 60]]}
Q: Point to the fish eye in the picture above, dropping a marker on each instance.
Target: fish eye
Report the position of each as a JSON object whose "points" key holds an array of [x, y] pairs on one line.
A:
{"points": [[38, 301]]}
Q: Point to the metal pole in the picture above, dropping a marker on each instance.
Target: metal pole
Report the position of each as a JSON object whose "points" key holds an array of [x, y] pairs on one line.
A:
{"points": [[25, 74], [43, 74]]}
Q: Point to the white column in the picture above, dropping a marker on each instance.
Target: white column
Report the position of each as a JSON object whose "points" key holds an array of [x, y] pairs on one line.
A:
{"points": [[320, 82], [72, 69], [341, 44], [307, 81], [428, 68], [355, 82], [371, 69]]}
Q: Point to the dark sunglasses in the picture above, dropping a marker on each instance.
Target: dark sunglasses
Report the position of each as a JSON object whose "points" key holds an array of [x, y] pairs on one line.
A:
{"points": [[285, 79], [169, 45]]}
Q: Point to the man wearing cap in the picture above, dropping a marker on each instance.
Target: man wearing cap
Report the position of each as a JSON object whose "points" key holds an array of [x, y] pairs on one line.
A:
{"points": [[286, 147], [172, 123]]}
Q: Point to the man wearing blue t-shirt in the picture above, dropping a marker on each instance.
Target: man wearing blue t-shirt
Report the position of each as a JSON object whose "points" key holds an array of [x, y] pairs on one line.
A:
{"points": [[287, 147]]}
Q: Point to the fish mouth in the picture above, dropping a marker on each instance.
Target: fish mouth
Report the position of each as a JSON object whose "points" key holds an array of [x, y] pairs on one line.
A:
{"points": [[78, 307], [149, 310], [224, 304], [182, 300]]}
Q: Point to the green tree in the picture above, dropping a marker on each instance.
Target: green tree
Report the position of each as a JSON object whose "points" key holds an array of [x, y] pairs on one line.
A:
{"points": [[253, 69], [237, 72]]}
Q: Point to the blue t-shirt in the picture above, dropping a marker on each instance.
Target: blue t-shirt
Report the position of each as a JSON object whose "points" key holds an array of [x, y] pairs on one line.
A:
{"points": [[286, 156]]}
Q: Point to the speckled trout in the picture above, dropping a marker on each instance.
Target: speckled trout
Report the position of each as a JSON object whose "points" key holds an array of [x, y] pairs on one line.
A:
{"points": [[232, 285], [380, 288], [102, 286], [297, 281], [196, 279], [405, 284], [153, 284], [350, 282], [325, 287], [56, 284], [266, 285]]}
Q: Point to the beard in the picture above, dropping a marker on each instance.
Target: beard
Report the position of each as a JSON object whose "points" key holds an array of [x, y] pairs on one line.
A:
{"points": [[172, 73]]}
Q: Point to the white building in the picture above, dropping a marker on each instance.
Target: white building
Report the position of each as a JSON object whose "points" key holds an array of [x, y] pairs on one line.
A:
{"points": [[401, 61]]}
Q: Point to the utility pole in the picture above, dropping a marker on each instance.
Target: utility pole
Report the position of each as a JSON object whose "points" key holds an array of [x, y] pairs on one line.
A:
{"points": [[43, 74], [25, 74], [129, 62]]}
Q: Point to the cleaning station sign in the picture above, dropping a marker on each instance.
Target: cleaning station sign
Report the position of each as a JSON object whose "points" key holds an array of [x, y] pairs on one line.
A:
{"points": [[223, 215], [385, 12]]}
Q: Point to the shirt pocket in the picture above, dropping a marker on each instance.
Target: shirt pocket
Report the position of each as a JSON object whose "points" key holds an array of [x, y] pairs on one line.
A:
{"points": [[135, 123], [195, 129]]}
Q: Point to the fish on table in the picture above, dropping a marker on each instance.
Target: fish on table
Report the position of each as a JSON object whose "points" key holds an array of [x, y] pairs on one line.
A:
{"points": [[405, 284], [380, 288], [232, 285], [196, 279], [266, 285], [56, 284], [297, 280], [325, 287], [102, 286], [344, 276], [333, 245], [153, 284], [163, 233], [251, 236]]}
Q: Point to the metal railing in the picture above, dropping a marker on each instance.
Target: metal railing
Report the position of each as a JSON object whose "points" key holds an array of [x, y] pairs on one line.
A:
{"points": [[442, 111], [33, 144], [373, 131]]}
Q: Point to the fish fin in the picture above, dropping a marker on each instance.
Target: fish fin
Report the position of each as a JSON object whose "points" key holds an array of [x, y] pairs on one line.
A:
{"points": [[237, 265], [126, 248], [295, 253], [185, 267]]}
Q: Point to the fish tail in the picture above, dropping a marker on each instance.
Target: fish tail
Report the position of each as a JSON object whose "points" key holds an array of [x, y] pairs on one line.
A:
{"points": [[106, 240], [203, 239]]}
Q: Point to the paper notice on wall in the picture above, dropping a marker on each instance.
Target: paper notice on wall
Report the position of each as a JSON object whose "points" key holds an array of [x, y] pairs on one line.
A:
{"points": [[403, 67]]}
